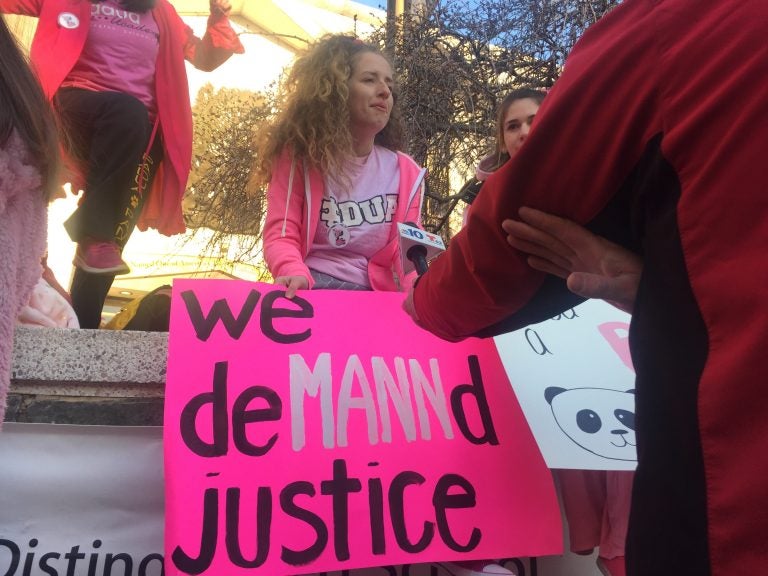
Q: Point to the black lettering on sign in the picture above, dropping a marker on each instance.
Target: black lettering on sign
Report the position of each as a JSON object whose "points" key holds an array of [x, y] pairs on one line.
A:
{"points": [[204, 325], [31, 557], [269, 313], [241, 418], [289, 506], [263, 518], [45, 563], [235, 326], [74, 555], [376, 506], [397, 513], [569, 314], [188, 419], [208, 538], [109, 562], [339, 488], [451, 492], [94, 559], [536, 343], [144, 564], [476, 390], [13, 548], [443, 498]]}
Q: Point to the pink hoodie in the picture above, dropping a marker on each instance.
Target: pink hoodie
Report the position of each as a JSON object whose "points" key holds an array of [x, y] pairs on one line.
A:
{"points": [[293, 197]]}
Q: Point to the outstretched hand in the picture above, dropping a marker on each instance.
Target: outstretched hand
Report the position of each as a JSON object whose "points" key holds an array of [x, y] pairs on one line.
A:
{"points": [[592, 266]]}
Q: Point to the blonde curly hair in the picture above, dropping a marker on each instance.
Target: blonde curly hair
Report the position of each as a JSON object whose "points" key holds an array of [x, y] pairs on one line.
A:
{"points": [[313, 118]]}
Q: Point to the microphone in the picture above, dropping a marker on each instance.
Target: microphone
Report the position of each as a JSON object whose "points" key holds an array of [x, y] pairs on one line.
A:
{"points": [[417, 247]]}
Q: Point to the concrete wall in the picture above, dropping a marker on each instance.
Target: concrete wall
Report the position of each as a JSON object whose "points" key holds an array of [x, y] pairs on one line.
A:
{"points": [[87, 377]]}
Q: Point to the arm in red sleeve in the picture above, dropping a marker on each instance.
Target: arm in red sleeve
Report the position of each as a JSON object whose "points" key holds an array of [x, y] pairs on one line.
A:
{"points": [[589, 134], [216, 46]]}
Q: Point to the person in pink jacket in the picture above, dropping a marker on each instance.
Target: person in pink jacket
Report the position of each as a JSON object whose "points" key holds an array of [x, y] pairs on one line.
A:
{"points": [[337, 180], [115, 72]]}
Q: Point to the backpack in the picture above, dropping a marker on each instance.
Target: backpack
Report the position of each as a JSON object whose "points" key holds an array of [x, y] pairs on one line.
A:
{"points": [[149, 313]]}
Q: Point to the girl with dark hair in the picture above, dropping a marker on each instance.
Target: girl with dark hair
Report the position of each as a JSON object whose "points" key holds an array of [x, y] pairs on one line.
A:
{"points": [[115, 72]]}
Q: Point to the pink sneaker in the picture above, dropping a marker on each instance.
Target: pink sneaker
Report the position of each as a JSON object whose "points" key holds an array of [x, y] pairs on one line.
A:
{"points": [[475, 568], [99, 257]]}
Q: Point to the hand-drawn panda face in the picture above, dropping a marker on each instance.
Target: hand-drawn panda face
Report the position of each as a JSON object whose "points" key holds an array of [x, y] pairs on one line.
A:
{"points": [[600, 420]]}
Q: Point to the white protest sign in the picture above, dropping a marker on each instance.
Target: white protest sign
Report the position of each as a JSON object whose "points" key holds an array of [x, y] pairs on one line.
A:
{"points": [[574, 380]]}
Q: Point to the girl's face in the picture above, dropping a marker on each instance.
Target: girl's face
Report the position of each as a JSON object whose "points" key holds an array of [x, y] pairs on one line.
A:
{"points": [[517, 122], [370, 97]]}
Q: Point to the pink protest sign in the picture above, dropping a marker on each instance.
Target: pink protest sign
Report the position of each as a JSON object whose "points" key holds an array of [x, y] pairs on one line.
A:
{"points": [[329, 432]]}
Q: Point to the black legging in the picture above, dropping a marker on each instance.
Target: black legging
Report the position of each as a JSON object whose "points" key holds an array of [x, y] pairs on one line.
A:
{"points": [[108, 133]]}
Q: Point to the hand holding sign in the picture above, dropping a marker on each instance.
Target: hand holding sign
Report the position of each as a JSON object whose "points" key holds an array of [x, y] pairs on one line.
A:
{"points": [[292, 284]]}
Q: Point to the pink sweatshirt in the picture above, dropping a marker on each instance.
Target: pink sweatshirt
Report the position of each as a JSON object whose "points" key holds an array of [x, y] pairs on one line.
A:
{"points": [[293, 200]]}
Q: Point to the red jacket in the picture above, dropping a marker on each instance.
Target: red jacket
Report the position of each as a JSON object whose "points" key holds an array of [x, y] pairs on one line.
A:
{"points": [[56, 48], [658, 129]]}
